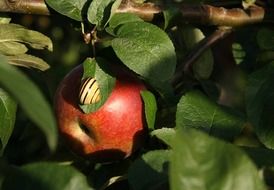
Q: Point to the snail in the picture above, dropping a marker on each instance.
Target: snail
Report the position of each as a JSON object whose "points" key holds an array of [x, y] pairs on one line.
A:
{"points": [[89, 91]]}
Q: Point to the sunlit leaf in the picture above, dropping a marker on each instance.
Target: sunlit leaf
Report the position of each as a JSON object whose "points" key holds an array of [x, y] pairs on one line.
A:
{"points": [[165, 134], [141, 38], [16, 33], [99, 12], [69, 8], [199, 161], [29, 61], [195, 110], [150, 108]]}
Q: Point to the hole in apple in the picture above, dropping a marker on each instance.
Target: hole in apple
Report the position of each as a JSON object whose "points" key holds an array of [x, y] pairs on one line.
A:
{"points": [[87, 131], [84, 129]]}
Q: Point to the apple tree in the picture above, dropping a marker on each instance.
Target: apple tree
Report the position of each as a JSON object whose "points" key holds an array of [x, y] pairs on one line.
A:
{"points": [[193, 77]]}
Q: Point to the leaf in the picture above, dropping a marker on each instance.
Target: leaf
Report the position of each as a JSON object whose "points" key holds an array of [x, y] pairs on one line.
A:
{"points": [[99, 12], [69, 8], [98, 69], [195, 110], [12, 48], [16, 33], [201, 162], [247, 3], [113, 9], [203, 67], [45, 176], [246, 49], [150, 108], [145, 49], [170, 14], [30, 99], [262, 157], [7, 118], [4, 18], [260, 104], [150, 171], [28, 61], [239, 53], [119, 19], [164, 134], [265, 39]]}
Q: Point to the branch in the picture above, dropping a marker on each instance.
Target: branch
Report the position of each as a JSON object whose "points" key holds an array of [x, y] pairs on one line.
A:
{"points": [[145, 11], [219, 16], [202, 14], [195, 53], [24, 6]]}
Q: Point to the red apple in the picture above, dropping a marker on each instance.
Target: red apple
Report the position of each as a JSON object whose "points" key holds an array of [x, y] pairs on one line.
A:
{"points": [[112, 132]]}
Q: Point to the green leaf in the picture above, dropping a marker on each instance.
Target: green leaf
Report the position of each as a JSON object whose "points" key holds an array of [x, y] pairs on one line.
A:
{"points": [[99, 12], [170, 14], [239, 53], [195, 110], [69, 8], [248, 3], [245, 48], [203, 67], [45, 176], [262, 157], [28, 61], [145, 49], [201, 162], [30, 99], [164, 134], [265, 39], [7, 118], [113, 9], [98, 69], [4, 18], [12, 48], [150, 171], [260, 104], [150, 108], [119, 19], [16, 33]]}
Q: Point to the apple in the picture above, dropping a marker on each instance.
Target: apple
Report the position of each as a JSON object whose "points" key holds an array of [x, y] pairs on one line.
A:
{"points": [[114, 131]]}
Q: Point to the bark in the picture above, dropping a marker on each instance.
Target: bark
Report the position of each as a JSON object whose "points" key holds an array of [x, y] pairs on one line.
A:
{"points": [[24, 6], [202, 14]]}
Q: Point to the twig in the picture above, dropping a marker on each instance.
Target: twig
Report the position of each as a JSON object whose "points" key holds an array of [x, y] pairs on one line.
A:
{"points": [[201, 47]]}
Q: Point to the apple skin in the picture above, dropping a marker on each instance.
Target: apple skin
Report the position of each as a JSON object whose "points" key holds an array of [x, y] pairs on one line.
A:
{"points": [[114, 131]]}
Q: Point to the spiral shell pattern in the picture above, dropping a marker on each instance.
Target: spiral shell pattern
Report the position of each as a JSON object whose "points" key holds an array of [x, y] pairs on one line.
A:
{"points": [[89, 91]]}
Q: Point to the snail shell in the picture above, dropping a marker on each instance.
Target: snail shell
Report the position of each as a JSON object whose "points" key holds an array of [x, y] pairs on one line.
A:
{"points": [[89, 91]]}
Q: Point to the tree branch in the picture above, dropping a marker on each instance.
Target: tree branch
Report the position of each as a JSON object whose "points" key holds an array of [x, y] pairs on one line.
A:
{"points": [[219, 16], [202, 14], [24, 6], [195, 53]]}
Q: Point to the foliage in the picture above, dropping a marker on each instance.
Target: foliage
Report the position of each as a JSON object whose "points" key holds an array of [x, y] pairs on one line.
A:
{"points": [[210, 129]]}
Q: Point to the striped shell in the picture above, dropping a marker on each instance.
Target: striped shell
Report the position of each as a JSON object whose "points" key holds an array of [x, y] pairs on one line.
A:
{"points": [[89, 91]]}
